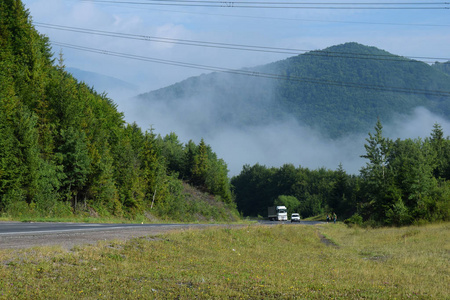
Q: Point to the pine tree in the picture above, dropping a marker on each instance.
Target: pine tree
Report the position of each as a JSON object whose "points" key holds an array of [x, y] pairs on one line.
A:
{"points": [[76, 163], [441, 147], [200, 167], [339, 193], [376, 174]]}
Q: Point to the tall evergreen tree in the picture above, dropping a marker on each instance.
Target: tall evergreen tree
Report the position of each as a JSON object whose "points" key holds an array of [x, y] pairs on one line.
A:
{"points": [[441, 147], [339, 193], [200, 166], [76, 164], [376, 174]]}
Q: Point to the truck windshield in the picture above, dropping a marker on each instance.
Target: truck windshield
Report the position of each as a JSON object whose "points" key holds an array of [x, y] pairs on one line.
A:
{"points": [[281, 210]]}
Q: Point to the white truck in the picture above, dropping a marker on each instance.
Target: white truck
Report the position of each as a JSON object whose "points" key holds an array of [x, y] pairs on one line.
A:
{"points": [[277, 213]]}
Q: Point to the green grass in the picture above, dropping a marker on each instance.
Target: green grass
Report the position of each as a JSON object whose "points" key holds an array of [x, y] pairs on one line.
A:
{"points": [[252, 262]]}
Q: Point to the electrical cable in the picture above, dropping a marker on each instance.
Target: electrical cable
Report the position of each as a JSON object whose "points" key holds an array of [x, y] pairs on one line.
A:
{"points": [[287, 5], [259, 74], [292, 19], [239, 46]]}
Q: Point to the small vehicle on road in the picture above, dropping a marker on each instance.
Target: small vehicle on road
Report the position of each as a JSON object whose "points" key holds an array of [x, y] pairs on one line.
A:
{"points": [[295, 217]]}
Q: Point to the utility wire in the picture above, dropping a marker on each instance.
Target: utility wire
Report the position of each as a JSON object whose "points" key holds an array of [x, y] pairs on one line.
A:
{"points": [[259, 74], [287, 5], [238, 46], [292, 19]]}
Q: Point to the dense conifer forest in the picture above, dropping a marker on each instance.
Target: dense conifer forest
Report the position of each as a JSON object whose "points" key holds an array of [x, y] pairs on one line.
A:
{"points": [[65, 149]]}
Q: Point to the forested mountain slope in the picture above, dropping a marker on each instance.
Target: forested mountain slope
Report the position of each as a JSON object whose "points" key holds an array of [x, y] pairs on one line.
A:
{"points": [[339, 90], [66, 149], [443, 67]]}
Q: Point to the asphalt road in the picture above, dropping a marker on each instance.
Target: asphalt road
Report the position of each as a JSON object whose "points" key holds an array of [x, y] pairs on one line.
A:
{"points": [[67, 235], [18, 228], [267, 222]]}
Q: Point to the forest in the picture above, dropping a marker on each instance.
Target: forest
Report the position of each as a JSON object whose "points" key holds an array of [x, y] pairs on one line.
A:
{"points": [[403, 182], [66, 150]]}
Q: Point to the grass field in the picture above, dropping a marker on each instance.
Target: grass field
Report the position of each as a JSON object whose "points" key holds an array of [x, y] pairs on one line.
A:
{"points": [[327, 261]]}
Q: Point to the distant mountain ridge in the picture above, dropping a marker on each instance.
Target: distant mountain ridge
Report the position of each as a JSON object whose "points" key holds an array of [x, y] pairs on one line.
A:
{"points": [[339, 90], [101, 83]]}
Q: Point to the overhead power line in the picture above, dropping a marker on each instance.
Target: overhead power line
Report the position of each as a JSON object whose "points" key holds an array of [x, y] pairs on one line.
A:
{"points": [[287, 5], [259, 74], [291, 19], [237, 46]]}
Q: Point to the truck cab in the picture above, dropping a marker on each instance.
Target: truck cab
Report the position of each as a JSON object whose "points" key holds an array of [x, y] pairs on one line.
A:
{"points": [[277, 213]]}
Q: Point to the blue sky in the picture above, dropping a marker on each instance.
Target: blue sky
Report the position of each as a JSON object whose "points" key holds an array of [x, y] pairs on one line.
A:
{"points": [[424, 33]]}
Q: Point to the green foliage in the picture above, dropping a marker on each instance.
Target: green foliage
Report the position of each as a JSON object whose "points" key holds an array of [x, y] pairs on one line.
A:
{"points": [[356, 219], [50, 179], [197, 164], [403, 182], [376, 175], [259, 187], [75, 161], [291, 203], [398, 215], [254, 190], [400, 186], [65, 149], [200, 165]]}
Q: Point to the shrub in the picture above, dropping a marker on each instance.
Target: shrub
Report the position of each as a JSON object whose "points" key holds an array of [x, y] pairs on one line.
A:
{"points": [[356, 219]]}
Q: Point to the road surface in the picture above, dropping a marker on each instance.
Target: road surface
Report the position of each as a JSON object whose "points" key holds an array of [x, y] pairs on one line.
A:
{"points": [[68, 235]]}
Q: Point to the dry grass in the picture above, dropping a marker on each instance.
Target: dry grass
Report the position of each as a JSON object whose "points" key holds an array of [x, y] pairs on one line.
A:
{"points": [[253, 262]]}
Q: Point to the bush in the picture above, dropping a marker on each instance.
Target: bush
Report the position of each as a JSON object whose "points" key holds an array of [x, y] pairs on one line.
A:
{"points": [[398, 215], [356, 219]]}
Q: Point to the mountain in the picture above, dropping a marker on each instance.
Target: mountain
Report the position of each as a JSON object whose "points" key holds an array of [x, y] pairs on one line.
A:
{"points": [[102, 83], [339, 90], [443, 67]]}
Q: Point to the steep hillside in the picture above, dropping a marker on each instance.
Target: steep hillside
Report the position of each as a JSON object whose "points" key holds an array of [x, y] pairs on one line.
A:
{"points": [[339, 90], [66, 150]]}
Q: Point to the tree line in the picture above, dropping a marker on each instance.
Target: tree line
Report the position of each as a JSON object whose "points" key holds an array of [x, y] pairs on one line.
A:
{"points": [[403, 182], [65, 148]]}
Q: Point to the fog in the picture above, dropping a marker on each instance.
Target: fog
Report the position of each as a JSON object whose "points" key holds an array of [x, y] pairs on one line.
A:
{"points": [[272, 144]]}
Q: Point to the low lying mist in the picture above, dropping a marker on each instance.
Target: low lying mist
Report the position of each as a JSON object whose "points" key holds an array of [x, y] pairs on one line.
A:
{"points": [[272, 144], [269, 142]]}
